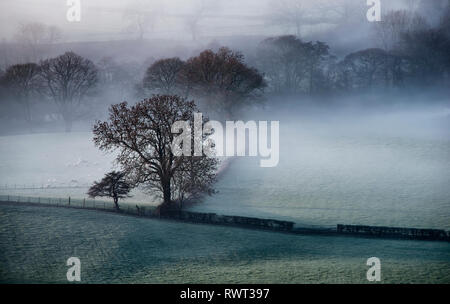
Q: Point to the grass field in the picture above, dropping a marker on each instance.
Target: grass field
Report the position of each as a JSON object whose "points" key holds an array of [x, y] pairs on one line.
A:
{"points": [[35, 243], [325, 177]]}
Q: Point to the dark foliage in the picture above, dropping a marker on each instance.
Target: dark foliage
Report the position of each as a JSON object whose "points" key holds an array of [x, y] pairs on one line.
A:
{"points": [[162, 77], [113, 185], [222, 80], [20, 83]]}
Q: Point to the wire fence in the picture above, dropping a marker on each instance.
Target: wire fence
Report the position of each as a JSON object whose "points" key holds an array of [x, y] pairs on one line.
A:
{"points": [[41, 186], [76, 203]]}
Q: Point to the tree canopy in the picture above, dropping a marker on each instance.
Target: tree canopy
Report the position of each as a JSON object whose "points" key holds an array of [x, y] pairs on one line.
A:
{"points": [[143, 136], [113, 185]]}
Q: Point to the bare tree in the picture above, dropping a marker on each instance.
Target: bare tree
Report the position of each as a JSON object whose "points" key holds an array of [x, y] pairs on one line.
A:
{"points": [[283, 62], [291, 65], [317, 54], [193, 179], [222, 80], [21, 83], [113, 185], [163, 75], [68, 79], [366, 68], [143, 136]]}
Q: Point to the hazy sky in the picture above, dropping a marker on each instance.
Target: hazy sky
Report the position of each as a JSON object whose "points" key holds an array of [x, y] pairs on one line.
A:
{"points": [[104, 19]]}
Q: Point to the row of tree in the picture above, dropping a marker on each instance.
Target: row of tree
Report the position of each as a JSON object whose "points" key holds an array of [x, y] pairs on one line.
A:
{"points": [[67, 80], [224, 81], [219, 81], [414, 54]]}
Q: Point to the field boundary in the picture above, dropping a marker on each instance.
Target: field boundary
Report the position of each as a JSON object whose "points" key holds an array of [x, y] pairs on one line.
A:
{"points": [[230, 220], [75, 203]]}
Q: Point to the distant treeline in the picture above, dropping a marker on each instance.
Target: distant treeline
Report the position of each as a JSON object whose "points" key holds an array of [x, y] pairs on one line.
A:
{"points": [[223, 81]]}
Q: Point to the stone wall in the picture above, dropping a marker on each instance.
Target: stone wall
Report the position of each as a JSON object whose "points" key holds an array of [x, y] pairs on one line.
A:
{"points": [[250, 222], [212, 218], [407, 233]]}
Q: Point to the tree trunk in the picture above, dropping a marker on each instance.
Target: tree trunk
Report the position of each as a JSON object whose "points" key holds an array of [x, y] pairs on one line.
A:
{"points": [[116, 203], [166, 192]]}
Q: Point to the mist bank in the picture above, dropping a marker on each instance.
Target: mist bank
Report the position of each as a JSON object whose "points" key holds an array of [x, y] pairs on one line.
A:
{"points": [[348, 161], [230, 77]]}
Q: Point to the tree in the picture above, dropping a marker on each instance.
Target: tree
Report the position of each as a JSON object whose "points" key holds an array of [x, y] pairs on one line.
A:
{"points": [[194, 178], [142, 134], [113, 185], [222, 80], [364, 69], [21, 83], [291, 65], [162, 76], [68, 79], [283, 63], [428, 50], [316, 54]]}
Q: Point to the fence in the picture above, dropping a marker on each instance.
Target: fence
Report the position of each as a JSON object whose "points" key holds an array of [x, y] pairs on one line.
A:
{"points": [[77, 203], [148, 211], [226, 220], [397, 232], [216, 219], [41, 186]]}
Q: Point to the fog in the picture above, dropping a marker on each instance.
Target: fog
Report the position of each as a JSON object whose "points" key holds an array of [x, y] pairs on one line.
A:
{"points": [[364, 116], [364, 165], [170, 19]]}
